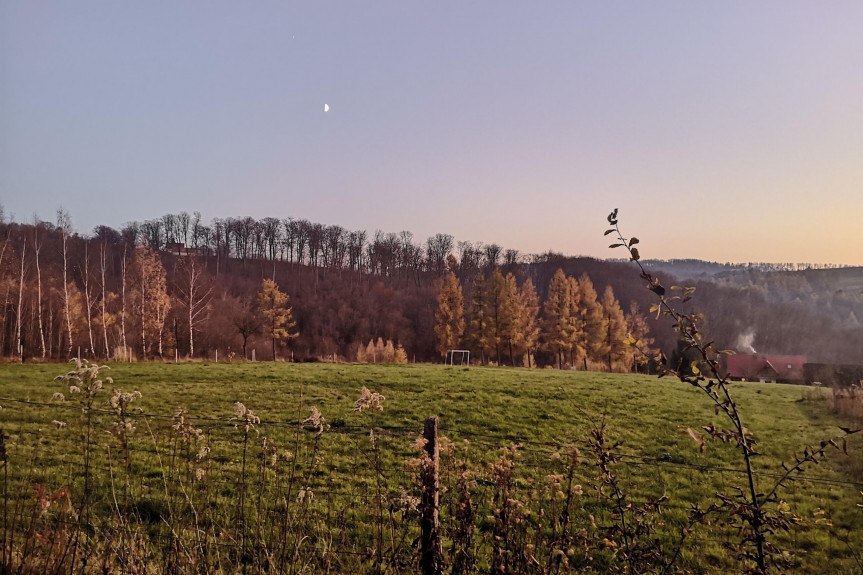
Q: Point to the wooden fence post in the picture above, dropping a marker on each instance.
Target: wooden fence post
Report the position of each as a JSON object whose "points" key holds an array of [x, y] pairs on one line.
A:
{"points": [[430, 559]]}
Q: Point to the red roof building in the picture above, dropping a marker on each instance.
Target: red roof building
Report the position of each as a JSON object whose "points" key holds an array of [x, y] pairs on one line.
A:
{"points": [[765, 368]]}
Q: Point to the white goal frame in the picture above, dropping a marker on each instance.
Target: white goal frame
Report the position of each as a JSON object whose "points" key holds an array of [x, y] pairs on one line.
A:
{"points": [[450, 356]]}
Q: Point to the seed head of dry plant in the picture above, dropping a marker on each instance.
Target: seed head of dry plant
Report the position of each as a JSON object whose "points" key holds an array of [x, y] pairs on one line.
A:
{"points": [[85, 378], [246, 416], [316, 420], [369, 400], [121, 400]]}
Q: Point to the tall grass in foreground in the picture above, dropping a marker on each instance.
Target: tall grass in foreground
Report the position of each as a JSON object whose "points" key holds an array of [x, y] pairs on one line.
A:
{"points": [[147, 493]]}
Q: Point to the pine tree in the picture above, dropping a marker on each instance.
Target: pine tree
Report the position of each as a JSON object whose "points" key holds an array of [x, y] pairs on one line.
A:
{"points": [[509, 324], [578, 343], [637, 328], [618, 350], [558, 325], [500, 311], [449, 317], [389, 352], [400, 356], [593, 324], [481, 327], [528, 321], [278, 316]]}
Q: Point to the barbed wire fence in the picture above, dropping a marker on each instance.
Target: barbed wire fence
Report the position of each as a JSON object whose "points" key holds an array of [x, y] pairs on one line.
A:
{"points": [[284, 494]]}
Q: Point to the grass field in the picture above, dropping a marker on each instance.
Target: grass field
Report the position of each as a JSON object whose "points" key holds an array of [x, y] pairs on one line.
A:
{"points": [[355, 519]]}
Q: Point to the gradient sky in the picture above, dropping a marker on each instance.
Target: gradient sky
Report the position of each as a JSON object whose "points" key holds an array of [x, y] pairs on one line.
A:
{"points": [[729, 131]]}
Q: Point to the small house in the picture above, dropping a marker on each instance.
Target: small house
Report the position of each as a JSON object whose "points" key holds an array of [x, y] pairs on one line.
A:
{"points": [[765, 368]]}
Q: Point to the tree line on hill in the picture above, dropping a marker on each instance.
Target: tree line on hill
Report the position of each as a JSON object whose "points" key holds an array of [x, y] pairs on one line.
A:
{"points": [[173, 287]]}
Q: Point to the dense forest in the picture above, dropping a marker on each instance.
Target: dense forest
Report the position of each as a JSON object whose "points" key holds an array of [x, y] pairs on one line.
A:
{"points": [[177, 287]]}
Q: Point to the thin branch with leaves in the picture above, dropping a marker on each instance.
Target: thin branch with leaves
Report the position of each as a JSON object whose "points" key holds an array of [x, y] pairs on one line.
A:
{"points": [[704, 373]]}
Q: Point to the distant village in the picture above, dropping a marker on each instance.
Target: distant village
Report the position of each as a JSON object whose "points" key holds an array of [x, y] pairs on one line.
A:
{"points": [[790, 369]]}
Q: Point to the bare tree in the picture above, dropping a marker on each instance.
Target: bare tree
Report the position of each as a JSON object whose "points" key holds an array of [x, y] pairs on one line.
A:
{"points": [[64, 224], [243, 231], [316, 239], [89, 299], [123, 269], [196, 229], [511, 257], [8, 287], [20, 342], [272, 233], [102, 262], [37, 247], [221, 243], [492, 255], [330, 240], [258, 240], [373, 253], [169, 226], [337, 246], [195, 293], [151, 230], [203, 239], [469, 258], [130, 233], [438, 248], [246, 320], [302, 238], [182, 225], [290, 236], [356, 247]]}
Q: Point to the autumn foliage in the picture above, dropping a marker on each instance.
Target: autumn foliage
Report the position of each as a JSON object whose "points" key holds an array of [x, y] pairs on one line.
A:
{"points": [[175, 287]]}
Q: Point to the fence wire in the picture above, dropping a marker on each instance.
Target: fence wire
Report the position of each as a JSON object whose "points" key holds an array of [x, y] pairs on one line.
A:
{"points": [[357, 485]]}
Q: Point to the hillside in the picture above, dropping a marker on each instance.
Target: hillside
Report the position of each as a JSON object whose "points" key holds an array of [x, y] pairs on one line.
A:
{"points": [[827, 299], [66, 294]]}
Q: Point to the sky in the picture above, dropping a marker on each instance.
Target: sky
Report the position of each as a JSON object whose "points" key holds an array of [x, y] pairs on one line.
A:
{"points": [[725, 131]]}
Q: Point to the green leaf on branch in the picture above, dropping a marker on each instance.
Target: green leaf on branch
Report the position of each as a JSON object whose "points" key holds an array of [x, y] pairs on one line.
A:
{"points": [[608, 232], [635, 255], [615, 245], [633, 241]]}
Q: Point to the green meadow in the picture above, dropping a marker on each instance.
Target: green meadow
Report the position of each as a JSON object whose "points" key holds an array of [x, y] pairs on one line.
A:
{"points": [[360, 464]]}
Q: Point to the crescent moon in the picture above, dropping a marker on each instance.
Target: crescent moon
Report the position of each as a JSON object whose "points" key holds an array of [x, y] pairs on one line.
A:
{"points": [[326, 108]]}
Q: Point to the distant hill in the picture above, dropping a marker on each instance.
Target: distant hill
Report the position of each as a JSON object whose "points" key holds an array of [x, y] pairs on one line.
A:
{"points": [[809, 309], [700, 269]]}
